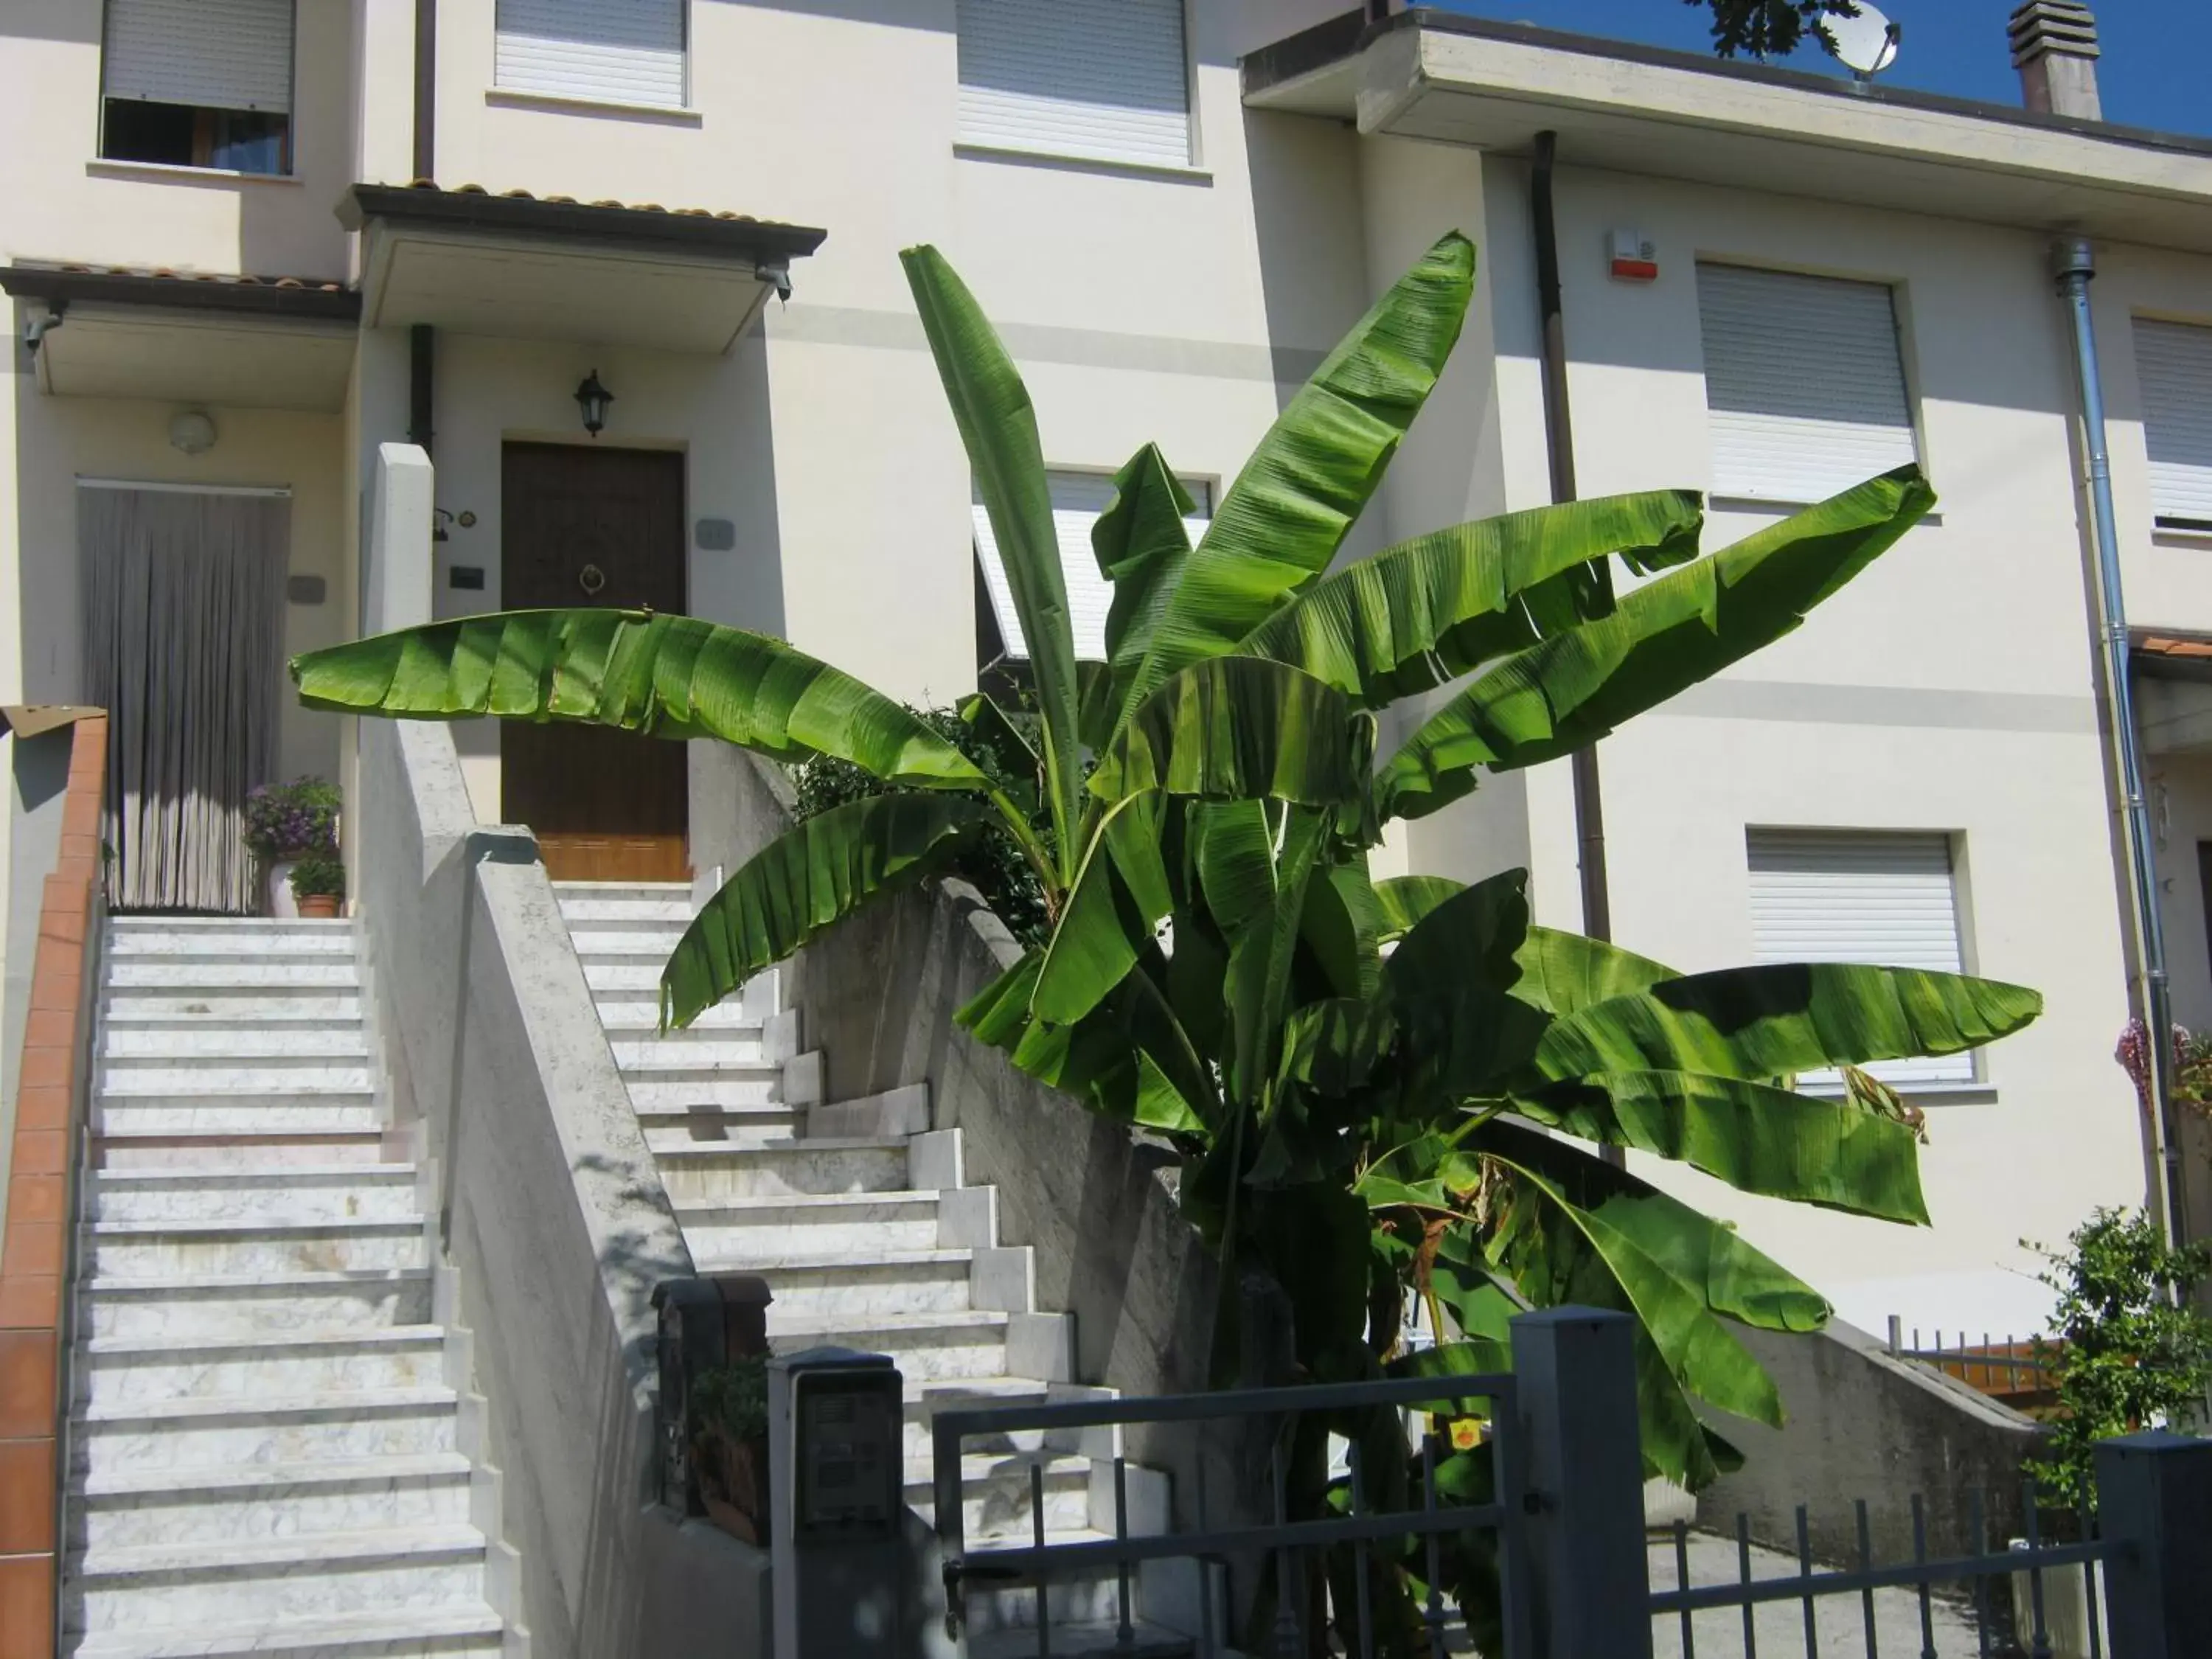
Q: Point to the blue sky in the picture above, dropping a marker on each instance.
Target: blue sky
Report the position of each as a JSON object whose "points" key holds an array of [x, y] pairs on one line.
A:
{"points": [[2156, 71]]}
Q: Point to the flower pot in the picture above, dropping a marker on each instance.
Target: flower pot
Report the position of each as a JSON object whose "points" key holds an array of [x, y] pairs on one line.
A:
{"points": [[278, 901], [319, 907], [733, 1483]]}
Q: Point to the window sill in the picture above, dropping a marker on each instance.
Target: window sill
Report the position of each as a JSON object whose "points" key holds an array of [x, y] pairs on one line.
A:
{"points": [[1776, 505], [557, 103], [1973, 1093], [2177, 535], [100, 167], [1081, 161]]}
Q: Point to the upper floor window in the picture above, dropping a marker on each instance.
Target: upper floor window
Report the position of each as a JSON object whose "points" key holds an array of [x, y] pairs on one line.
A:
{"points": [[1878, 896], [2174, 361], [1078, 499], [198, 84], [1804, 382], [1102, 79], [620, 52]]}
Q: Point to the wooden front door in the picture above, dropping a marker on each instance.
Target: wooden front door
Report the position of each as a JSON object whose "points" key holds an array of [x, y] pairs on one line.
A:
{"points": [[581, 524]]}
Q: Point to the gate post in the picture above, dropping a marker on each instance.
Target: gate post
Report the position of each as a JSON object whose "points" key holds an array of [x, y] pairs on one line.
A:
{"points": [[1582, 1525], [2154, 1508]]}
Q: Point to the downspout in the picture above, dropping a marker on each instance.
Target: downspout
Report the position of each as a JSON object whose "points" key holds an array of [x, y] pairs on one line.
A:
{"points": [[1559, 447], [1559, 450], [2074, 262], [423, 339]]}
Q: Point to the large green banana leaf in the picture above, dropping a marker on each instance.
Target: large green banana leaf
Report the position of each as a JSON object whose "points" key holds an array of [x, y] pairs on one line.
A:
{"points": [[671, 677], [1573, 688], [1141, 545], [1286, 514], [1342, 927], [1780, 1018], [1238, 728], [1119, 897], [1406, 899], [1473, 938], [1255, 859], [1427, 610], [1564, 973], [1755, 1137], [812, 875], [998, 425]]}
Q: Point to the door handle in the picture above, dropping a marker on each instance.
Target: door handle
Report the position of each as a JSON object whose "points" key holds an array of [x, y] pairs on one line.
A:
{"points": [[592, 580]]}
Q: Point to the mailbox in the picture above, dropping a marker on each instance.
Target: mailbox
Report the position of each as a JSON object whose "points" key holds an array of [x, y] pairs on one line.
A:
{"points": [[837, 1467]]}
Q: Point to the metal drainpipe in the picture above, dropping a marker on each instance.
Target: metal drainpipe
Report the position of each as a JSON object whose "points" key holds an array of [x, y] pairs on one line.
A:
{"points": [[2074, 262], [1559, 447], [426, 89]]}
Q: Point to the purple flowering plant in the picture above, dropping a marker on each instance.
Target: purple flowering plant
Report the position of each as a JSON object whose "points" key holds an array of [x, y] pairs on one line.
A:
{"points": [[287, 820]]}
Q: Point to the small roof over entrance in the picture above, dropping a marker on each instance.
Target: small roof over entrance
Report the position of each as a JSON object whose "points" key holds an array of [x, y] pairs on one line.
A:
{"points": [[244, 342], [553, 269]]}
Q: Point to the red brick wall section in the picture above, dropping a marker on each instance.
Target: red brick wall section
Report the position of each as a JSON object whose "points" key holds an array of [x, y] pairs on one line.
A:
{"points": [[35, 1256]]}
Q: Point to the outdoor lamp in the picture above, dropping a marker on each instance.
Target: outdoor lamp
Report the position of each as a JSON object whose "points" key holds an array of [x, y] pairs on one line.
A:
{"points": [[593, 399]]}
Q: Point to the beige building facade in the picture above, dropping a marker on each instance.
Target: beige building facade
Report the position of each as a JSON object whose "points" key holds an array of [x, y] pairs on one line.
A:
{"points": [[698, 204]]}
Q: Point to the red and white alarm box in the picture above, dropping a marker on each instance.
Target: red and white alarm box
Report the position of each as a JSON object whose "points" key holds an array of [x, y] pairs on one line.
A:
{"points": [[1635, 256]]}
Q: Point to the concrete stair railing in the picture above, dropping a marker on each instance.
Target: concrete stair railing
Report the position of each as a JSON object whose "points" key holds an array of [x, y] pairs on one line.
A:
{"points": [[858, 1215], [271, 1429]]}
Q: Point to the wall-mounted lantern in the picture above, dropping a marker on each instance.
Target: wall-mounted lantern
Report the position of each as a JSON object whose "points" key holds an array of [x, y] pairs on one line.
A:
{"points": [[593, 399]]}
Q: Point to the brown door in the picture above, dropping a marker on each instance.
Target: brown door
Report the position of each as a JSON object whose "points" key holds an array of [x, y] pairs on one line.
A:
{"points": [[579, 525]]}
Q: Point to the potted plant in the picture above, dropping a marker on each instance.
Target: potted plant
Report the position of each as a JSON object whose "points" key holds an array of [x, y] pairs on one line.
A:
{"points": [[729, 1446], [285, 823], [318, 883]]}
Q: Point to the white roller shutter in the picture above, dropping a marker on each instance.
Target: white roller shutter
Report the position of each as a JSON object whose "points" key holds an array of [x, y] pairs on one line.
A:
{"points": [[1102, 78], [1803, 382], [2175, 362], [1847, 896], [1078, 499], [625, 51], [208, 54]]}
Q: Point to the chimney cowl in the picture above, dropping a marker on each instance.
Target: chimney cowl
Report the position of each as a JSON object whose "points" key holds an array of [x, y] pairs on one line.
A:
{"points": [[2054, 47]]}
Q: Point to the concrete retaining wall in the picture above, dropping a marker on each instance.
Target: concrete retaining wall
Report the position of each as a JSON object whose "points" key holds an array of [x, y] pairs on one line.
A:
{"points": [[552, 1213]]}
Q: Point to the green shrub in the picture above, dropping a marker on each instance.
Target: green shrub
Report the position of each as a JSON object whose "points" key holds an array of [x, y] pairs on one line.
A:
{"points": [[316, 876], [2130, 1353], [731, 1398]]}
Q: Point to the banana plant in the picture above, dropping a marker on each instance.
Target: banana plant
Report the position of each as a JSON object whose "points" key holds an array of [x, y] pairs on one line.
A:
{"points": [[1379, 1089]]}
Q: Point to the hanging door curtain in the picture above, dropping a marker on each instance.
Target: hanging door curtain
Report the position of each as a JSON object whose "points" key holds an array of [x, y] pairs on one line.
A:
{"points": [[184, 612]]}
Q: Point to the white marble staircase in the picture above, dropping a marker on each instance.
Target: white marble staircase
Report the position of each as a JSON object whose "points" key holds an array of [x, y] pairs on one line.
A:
{"points": [[858, 1216], [270, 1432]]}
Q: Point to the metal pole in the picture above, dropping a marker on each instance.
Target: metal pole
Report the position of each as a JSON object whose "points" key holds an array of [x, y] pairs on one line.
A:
{"points": [[2074, 262]]}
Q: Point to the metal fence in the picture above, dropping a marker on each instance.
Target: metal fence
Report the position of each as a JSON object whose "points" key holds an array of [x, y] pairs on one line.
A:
{"points": [[2007, 1367], [1564, 1517]]}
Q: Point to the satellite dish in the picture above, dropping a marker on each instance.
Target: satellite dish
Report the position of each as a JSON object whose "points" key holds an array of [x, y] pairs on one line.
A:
{"points": [[1865, 45]]}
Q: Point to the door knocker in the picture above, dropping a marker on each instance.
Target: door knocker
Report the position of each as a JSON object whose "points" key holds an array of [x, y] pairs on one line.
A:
{"points": [[592, 580]]}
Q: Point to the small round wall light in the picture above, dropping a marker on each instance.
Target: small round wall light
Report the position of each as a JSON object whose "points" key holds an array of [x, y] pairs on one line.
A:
{"points": [[192, 432], [593, 399]]}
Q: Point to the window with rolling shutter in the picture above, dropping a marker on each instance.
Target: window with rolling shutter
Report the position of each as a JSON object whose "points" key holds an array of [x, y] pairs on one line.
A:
{"points": [[1876, 896], [198, 83], [623, 52], [1078, 499], [1106, 79], [2174, 362], [1804, 384]]}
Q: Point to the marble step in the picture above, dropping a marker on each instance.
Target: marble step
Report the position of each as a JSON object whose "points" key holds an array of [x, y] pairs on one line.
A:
{"points": [[261, 1501], [367, 1571], [926, 1346], [862, 1285], [215, 1112], [245, 976], [119, 1147], [152, 1250], [227, 1429], [231, 1040], [279, 1195], [1090, 1639], [743, 1087], [626, 943], [139, 1370], [925, 1397], [668, 1126], [995, 1494], [704, 1053], [696, 1174], [625, 1015], [578, 910], [815, 1227], [170, 1009], [156, 1074], [1074, 1602], [460, 1633], [202, 1307], [327, 942]]}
